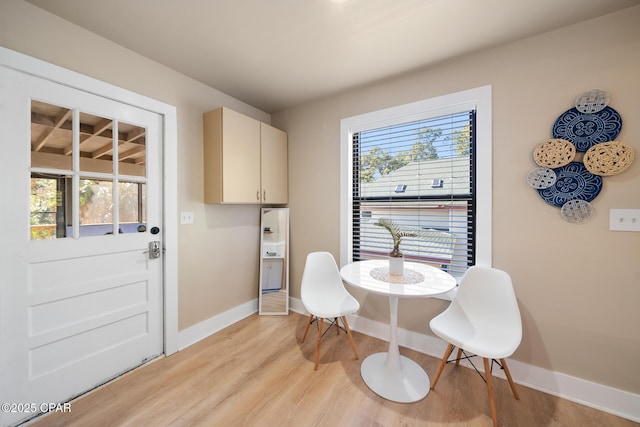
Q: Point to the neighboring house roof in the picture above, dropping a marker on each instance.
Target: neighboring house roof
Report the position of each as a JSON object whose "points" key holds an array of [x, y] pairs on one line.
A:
{"points": [[419, 179], [452, 177]]}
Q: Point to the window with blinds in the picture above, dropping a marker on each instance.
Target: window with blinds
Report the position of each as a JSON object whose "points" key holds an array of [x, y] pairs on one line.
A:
{"points": [[421, 176]]}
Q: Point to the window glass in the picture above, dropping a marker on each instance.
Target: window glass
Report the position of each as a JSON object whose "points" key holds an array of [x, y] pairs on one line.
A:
{"points": [[95, 144], [96, 202], [426, 167], [132, 200], [131, 149], [51, 145], [51, 136], [132, 195], [416, 175], [47, 207], [73, 173]]}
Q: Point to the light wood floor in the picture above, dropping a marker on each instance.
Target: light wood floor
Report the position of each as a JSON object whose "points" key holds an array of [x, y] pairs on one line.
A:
{"points": [[258, 373]]}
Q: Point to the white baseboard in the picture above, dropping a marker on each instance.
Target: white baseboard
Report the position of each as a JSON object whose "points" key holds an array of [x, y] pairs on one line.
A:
{"points": [[202, 330], [618, 402], [604, 398]]}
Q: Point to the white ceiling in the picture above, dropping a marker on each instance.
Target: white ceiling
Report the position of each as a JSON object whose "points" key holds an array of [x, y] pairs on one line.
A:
{"points": [[275, 54]]}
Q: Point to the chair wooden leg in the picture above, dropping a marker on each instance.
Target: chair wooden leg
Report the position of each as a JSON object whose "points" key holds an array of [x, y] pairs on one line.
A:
{"points": [[508, 374], [307, 328], [458, 357], [320, 326], [353, 344], [492, 401], [335, 319], [443, 362]]}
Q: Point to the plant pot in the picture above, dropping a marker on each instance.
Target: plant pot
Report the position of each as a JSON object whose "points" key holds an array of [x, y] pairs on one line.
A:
{"points": [[396, 264]]}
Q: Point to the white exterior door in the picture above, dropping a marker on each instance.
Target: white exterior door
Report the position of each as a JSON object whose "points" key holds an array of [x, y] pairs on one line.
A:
{"points": [[81, 200]]}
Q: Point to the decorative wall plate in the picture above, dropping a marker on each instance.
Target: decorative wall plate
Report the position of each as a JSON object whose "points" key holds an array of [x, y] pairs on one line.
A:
{"points": [[576, 211], [586, 130], [592, 101], [554, 153], [573, 181], [541, 178], [608, 158]]}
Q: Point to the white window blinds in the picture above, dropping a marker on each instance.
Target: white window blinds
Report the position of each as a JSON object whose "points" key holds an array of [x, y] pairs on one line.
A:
{"points": [[420, 175]]}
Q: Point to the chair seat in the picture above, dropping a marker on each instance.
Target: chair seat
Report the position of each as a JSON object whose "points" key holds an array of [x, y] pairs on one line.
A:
{"points": [[493, 341], [332, 308]]}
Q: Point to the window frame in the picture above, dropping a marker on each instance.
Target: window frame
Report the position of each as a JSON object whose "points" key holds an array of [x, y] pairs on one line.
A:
{"points": [[478, 99]]}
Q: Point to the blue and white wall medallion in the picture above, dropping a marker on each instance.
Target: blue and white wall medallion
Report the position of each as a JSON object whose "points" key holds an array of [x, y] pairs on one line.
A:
{"points": [[585, 130], [573, 182], [569, 182]]}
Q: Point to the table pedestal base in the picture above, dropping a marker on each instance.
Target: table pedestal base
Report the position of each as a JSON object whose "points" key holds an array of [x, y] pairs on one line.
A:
{"points": [[408, 384]]}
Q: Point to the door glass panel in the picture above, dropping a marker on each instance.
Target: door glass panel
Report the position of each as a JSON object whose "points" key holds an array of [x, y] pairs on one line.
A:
{"points": [[96, 207], [131, 203], [52, 193], [96, 144], [132, 159], [51, 136], [132, 153], [48, 214]]}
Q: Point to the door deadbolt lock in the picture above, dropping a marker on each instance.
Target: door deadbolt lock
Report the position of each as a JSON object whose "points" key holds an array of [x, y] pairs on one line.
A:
{"points": [[154, 250]]}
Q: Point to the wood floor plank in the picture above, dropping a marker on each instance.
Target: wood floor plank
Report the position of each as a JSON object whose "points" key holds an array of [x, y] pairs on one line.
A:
{"points": [[258, 373]]}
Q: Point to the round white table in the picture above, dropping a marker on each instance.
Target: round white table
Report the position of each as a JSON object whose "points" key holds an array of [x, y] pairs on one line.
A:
{"points": [[389, 374]]}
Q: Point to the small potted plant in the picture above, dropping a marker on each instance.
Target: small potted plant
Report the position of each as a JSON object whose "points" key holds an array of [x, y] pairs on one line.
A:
{"points": [[396, 258]]}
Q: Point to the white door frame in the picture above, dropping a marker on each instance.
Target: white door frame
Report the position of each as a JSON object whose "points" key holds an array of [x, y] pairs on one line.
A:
{"points": [[54, 73]]}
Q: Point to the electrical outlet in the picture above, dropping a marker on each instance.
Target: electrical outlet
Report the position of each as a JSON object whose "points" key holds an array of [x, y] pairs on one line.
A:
{"points": [[624, 219], [186, 217]]}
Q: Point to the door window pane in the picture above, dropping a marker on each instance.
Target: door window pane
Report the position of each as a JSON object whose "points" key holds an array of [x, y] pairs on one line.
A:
{"points": [[132, 153], [51, 136], [55, 196], [96, 207], [131, 207], [96, 143], [47, 207]]}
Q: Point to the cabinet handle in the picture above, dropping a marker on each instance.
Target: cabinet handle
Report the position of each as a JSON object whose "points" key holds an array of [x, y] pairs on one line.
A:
{"points": [[258, 195], [264, 195]]}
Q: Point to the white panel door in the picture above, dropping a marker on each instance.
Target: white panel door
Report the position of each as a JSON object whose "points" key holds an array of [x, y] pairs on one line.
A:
{"points": [[81, 199]]}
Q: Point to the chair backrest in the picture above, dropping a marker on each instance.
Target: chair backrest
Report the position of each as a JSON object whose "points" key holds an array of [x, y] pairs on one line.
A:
{"points": [[486, 297], [321, 279]]}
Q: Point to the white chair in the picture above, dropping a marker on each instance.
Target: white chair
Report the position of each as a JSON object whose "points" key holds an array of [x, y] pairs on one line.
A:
{"points": [[324, 296], [484, 320]]}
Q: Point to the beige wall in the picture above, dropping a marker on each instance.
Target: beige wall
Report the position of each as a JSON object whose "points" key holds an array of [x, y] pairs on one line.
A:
{"points": [[218, 255], [578, 285]]}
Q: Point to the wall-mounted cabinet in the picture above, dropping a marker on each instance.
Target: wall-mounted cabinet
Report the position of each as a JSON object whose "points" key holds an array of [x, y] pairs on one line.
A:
{"points": [[245, 161]]}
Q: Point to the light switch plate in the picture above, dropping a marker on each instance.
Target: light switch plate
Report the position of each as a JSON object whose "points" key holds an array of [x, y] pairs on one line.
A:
{"points": [[624, 219], [186, 217]]}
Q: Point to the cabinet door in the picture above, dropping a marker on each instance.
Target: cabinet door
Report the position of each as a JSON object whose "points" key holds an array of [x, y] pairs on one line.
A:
{"points": [[240, 158], [275, 185]]}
